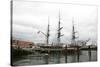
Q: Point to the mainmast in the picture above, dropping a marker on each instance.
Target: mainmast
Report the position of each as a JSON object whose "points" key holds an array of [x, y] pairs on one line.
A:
{"points": [[48, 30], [59, 30], [73, 33]]}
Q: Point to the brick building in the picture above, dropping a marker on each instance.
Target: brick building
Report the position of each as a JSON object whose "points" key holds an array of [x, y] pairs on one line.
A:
{"points": [[22, 44]]}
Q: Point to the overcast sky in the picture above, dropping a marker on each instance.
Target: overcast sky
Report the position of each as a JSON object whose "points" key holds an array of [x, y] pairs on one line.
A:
{"points": [[30, 17]]}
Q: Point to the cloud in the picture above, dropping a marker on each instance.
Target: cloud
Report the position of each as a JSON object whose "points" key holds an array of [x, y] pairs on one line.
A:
{"points": [[30, 17]]}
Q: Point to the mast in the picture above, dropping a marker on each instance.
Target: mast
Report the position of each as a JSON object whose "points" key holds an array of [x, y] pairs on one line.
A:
{"points": [[59, 30], [73, 33], [48, 30], [46, 34]]}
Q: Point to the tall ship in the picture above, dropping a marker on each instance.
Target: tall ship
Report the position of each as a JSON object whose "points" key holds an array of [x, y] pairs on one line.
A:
{"points": [[74, 39]]}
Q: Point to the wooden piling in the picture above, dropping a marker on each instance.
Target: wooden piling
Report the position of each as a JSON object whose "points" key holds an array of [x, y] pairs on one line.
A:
{"points": [[78, 56], [66, 54], [89, 53], [46, 57]]}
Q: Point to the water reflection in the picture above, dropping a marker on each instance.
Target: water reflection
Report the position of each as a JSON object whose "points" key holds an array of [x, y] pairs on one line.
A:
{"points": [[58, 57]]}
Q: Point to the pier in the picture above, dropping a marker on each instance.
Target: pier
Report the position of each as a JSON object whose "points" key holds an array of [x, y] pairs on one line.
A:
{"points": [[49, 49]]}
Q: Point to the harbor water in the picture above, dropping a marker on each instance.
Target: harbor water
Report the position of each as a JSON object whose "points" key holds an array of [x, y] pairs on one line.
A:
{"points": [[55, 58]]}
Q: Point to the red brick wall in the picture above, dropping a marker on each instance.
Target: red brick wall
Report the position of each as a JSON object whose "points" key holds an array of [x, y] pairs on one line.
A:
{"points": [[22, 44]]}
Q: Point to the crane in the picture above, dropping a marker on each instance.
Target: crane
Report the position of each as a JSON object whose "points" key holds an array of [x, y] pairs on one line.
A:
{"points": [[42, 33], [47, 34]]}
